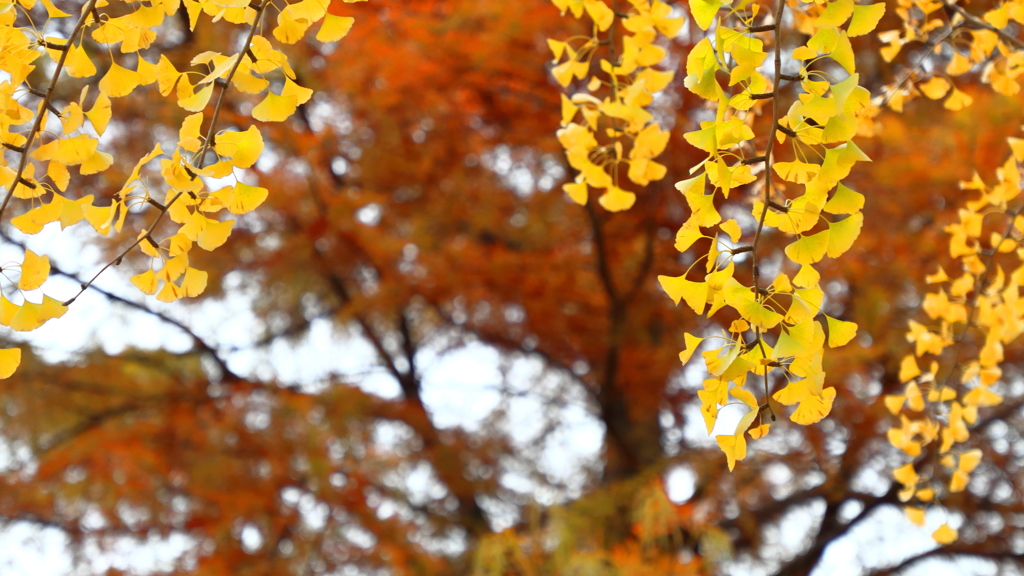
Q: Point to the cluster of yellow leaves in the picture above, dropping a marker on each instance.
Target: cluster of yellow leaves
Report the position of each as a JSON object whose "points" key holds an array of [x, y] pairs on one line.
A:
{"points": [[983, 301], [960, 42], [36, 162], [778, 337], [617, 130]]}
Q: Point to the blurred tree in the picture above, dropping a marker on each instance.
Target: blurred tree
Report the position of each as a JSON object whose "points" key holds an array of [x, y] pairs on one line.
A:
{"points": [[414, 242]]}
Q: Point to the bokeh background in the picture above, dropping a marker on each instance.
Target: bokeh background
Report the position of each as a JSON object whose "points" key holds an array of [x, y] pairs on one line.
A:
{"points": [[419, 357]]}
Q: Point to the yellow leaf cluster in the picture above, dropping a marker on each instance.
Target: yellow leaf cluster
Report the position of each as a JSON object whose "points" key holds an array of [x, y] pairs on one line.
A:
{"points": [[982, 305], [614, 135], [773, 353], [172, 185]]}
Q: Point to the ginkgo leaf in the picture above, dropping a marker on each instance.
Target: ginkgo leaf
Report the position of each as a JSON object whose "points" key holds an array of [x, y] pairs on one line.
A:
{"points": [[945, 535], [600, 13], [796, 171], [616, 199], [7, 310], [10, 359], [215, 234], [957, 101], [35, 269], [906, 475], [840, 332], [275, 108], [732, 228], [301, 93], [703, 12], [806, 277], [694, 293], [915, 515], [170, 293], [982, 398], [743, 300], [909, 368], [691, 345], [843, 234], [814, 408], [146, 282], [734, 447], [198, 100], [809, 249], [244, 148], [246, 198], [194, 282], [934, 88], [78, 64], [26, 318], [118, 81], [836, 13], [894, 403], [865, 18], [844, 201], [100, 113]]}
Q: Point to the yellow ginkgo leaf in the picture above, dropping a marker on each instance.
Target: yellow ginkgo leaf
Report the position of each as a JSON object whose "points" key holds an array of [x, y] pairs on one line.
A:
{"points": [[35, 270], [51, 308], [840, 332], [934, 88], [100, 113], [843, 234], [198, 100], [732, 228], [194, 282], [844, 201], [616, 199], [601, 14], [26, 318], [694, 293], [244, 148], [10, 359], [982, 398], [945, 535], [750, 309], [836, 13], [906, 475], [957, 101], [246, 198], [734, 447], [119, 81], [865, 18], [915, 515], [703, 12], [78, 64], [894, 403], [170, 292], [275, 108], [809, 249], [146, 282], [215, 234], [577, 191], [909, 368], [301, 93], [334, 28]]}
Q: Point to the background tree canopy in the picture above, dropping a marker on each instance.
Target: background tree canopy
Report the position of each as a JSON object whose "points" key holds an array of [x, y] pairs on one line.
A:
{"points": [[419, 356]]}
